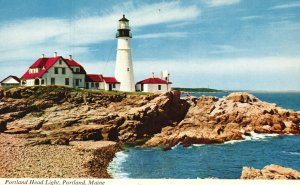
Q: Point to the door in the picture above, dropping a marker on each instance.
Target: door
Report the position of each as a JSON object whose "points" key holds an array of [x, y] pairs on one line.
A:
{"points": [[142, 87], [110, 87]]}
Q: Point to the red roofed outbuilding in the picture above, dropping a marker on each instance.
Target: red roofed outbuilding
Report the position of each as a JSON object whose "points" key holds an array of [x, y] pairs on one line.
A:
{"points": [[10, 81], [154, 84], [97, 81], [111, 83]]}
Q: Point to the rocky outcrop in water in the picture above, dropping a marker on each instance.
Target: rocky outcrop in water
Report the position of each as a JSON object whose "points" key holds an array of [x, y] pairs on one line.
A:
{"points": [[216, 120], [270, 172], [57, 115]]}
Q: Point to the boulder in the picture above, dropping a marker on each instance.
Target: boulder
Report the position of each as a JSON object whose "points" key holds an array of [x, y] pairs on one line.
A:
{"points": [[270, 172]]}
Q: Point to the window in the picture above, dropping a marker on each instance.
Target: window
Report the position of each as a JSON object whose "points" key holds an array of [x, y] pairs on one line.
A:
{"points": [[60, 62], [77, 70], [159, 87], [77, 82], [114, 85], [42, 81], [63, 71], [52, 81], [67, 81], [92, 84], [97, 85], [56, 70]]}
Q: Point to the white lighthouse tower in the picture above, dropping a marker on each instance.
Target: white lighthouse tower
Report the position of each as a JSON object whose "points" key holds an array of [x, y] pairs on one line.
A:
{"points": [[124, 68]]}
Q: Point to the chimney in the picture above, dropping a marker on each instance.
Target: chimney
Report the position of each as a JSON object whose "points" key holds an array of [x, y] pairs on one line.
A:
{"points": [[55, 54], [70, 57], [152, 74], [43, 56]]}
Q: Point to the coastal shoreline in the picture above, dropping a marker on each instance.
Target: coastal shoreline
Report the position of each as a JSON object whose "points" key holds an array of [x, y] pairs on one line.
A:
{"points": [[45, 126], [78, 160]]}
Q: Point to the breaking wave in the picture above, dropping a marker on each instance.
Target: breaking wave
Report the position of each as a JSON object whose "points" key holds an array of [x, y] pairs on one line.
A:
{"points": [[252, 136], [115, 168]]}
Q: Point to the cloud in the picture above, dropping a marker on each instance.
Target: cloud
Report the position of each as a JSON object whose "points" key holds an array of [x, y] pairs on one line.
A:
{"points": [[285, 6], [250, 17], [162, 35], [268, 73], [215, 3], [217, 49], [24, 39], [285, 25]]}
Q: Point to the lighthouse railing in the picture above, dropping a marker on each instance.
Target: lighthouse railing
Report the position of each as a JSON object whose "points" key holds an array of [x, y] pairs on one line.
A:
{"points": [[120, 35]]}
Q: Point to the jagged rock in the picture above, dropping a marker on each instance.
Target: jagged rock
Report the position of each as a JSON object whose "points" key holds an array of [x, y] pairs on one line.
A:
{"points": [[241, 97], [270, 172], [214, 120]]}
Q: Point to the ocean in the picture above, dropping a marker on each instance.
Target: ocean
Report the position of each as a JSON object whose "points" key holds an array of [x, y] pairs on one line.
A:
{"points": [[223, 161]]}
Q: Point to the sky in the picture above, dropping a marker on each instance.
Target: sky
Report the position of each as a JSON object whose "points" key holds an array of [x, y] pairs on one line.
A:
{"points": [[222, 44]]}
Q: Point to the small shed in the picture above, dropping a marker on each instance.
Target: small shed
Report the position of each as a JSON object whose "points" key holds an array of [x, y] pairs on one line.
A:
{"points": [[10, 81], [111, 84], [153, 85]]}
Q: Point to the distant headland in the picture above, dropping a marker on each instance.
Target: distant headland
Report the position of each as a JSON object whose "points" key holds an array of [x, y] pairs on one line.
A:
{"points": [[195, 90]]}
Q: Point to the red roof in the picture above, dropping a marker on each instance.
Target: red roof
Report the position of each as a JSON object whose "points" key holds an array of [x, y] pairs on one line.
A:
{"points": [[46, 63], [94, 78], [14, 77], [75, 64], [112, 80], [154, 81]]}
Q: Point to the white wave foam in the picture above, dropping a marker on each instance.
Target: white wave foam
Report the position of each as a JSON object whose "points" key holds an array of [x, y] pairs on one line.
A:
{"points": [[252, 136], [115, 168], [198, 145], [257, 136], [233, 141], [178, 144], [294, 153]]}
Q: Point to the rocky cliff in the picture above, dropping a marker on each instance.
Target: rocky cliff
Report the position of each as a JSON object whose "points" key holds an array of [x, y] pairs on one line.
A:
{"points": [[57, 115], [216, 120]]}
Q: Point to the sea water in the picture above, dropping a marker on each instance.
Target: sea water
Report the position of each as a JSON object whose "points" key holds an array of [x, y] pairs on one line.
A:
{"points": [[215, 160]]}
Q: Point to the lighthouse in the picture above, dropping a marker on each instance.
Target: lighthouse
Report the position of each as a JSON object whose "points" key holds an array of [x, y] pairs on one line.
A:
{"points": [[124, 68]]}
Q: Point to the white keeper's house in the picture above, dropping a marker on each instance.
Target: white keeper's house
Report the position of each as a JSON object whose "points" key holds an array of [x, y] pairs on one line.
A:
{"points": [[57, 70]]}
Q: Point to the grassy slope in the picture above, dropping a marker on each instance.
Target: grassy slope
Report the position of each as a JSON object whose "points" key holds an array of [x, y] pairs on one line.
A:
{"points": [[51, 88], [197, 89]]}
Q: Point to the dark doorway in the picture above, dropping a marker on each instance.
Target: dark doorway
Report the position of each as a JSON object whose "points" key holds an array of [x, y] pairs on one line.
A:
{"points": [[110, 87], [142, 87], [36, 82]]}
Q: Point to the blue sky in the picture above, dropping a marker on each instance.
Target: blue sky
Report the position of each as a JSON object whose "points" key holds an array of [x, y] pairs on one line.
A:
{"points": [[223, 44]]}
